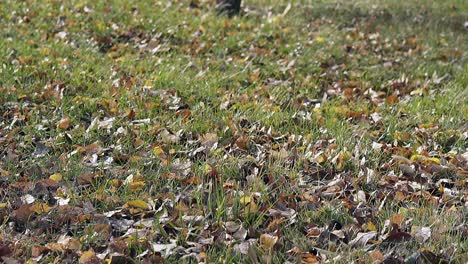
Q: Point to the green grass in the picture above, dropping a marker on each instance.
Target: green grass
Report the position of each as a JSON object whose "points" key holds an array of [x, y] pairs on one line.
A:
{"points": [[289, 94]]}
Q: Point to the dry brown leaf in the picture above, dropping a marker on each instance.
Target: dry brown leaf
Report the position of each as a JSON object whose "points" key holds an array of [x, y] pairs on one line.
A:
{"points": [[64, 123], [36, 251], [376, 256], [397, 219], [275, 224], [309, 258], [314, 232], [23, 213], [242, 141], [86, 178], [55, 247], [89, 257], [184, 113]]}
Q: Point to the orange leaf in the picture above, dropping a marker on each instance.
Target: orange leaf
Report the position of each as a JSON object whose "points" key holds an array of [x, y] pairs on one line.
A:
{"points": [[397, 219], [64, 123]]}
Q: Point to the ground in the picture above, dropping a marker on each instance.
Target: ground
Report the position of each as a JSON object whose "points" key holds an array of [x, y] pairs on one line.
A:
{"points": [[160, 131]]}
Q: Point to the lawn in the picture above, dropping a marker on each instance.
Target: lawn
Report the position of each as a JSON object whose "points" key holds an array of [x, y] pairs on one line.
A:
{"points": [[299, 131]]}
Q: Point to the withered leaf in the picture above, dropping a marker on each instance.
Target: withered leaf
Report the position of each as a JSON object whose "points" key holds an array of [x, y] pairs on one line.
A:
{"points": [[268, 241], [398, 236], [137, 204], [361, 239], [89, 257]]}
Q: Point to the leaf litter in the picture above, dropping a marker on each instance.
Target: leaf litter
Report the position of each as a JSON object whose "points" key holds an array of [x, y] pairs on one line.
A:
{"points": [[145, 168]]}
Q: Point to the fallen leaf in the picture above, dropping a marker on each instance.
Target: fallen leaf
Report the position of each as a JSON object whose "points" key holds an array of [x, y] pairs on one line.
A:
{"points": [[242, 142], [86, 178], [376, 256], [370, 226], [164, 249], [343, 157], [137, 204], [244, 247], [267, 241], [184, 113], [57, 177], [209, 140], [361, 239], [249, 204], [28, 199], [421, 234], [22, 214], [36, 251], [55, 247], [157, 151], [376, 117], [4, 250], [89, 257], [64, 123], [136, 185], [314, 232], [397, 219], [309, 258], [40, 208], [398, 237], [231, 227], [432, 258]]}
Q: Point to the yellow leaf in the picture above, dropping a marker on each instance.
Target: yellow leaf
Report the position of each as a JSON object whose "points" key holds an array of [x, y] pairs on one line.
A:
{"points": [[57, 177], [115, 182], [244, 200], [3, 205], [252, 208], [416, 157], [207, 168], [276, 20], [371, 226], [40, 208], [268, 241], [134, 186], [321, 159], [432, 160], [138, 204], [4, 173], [45, 51], [158, 151], [342, 159], [320, 39], [441, 189], [249, 204], [402, 136]]}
